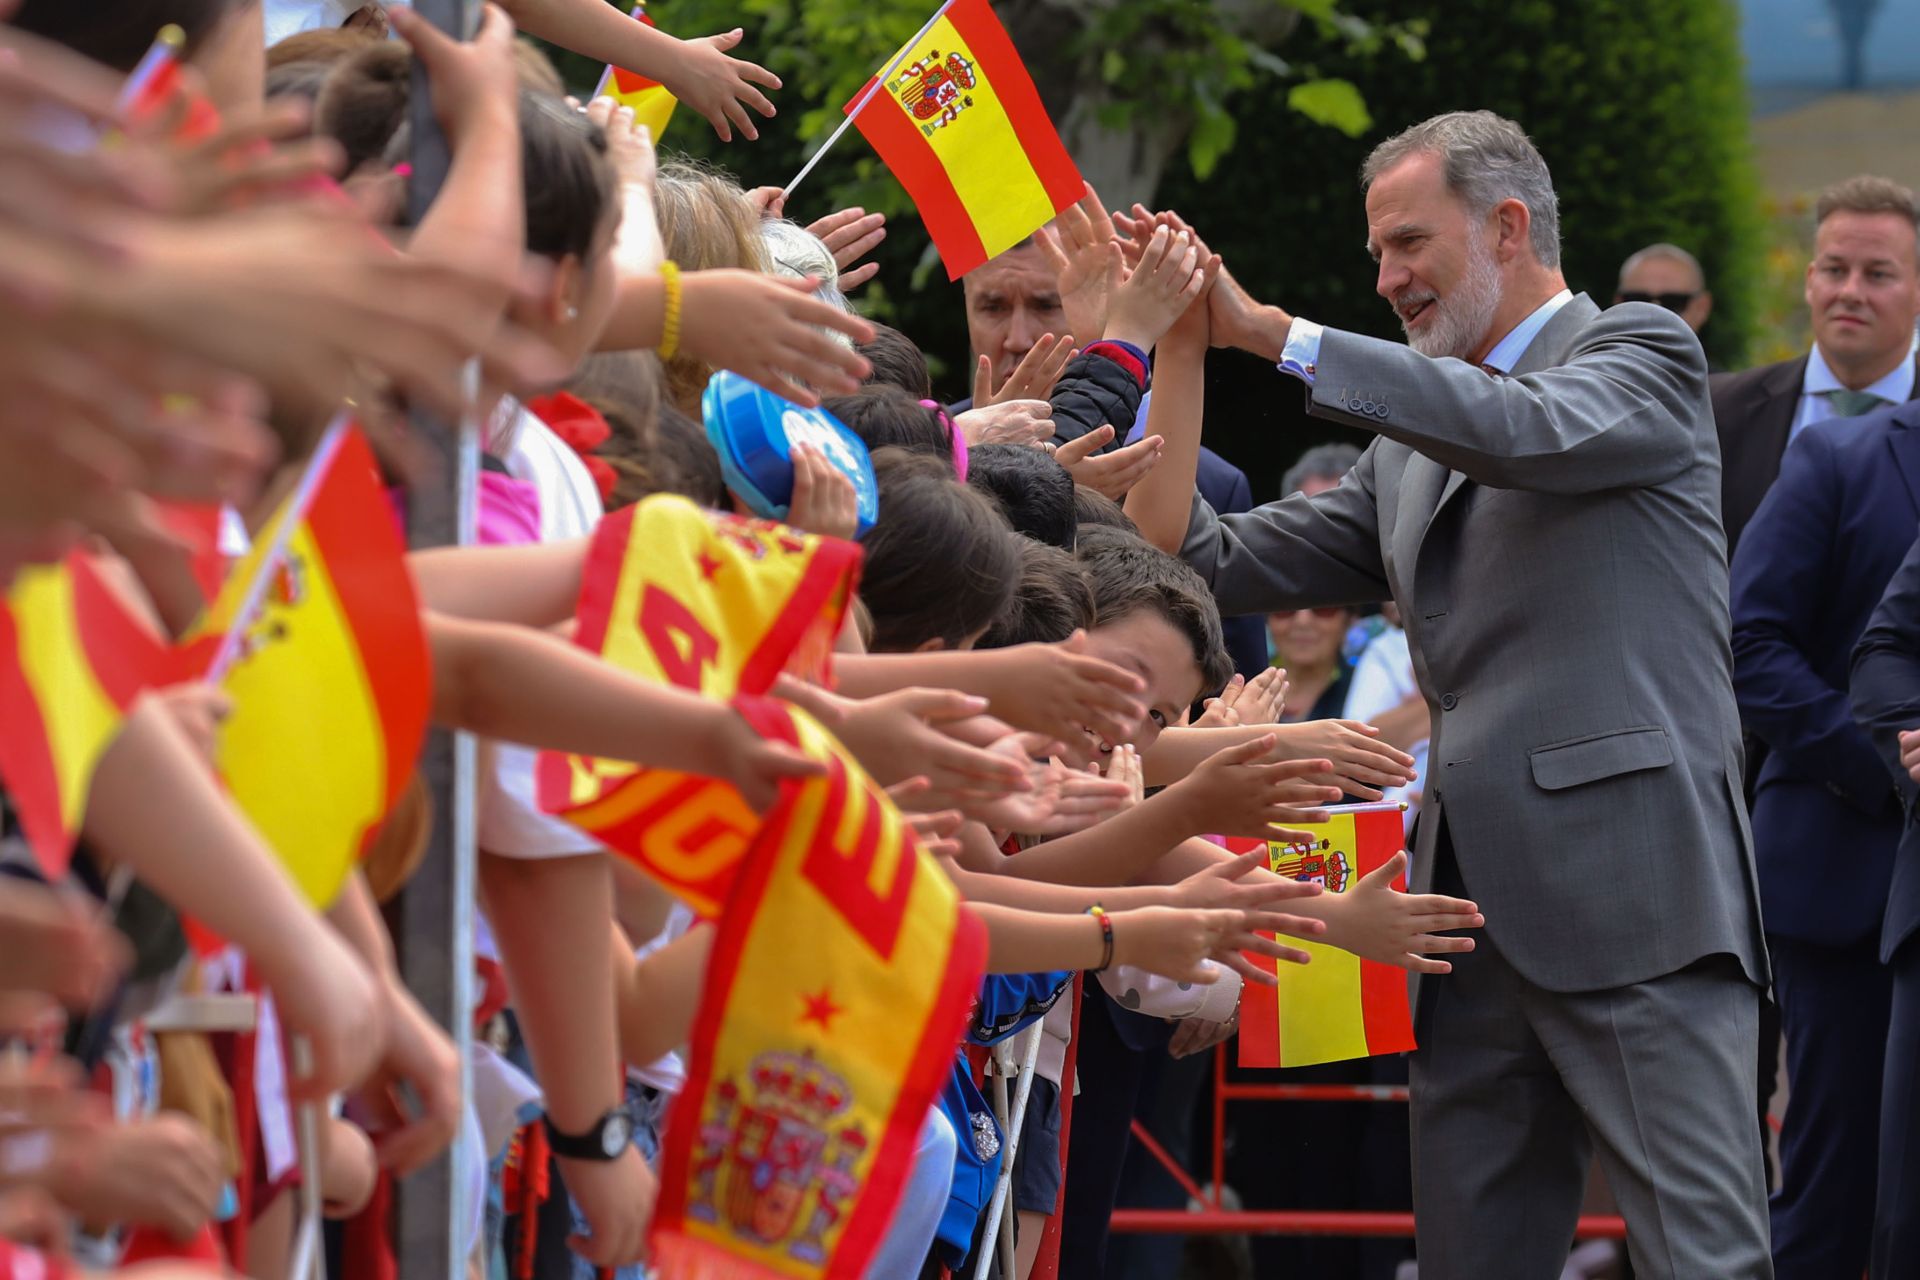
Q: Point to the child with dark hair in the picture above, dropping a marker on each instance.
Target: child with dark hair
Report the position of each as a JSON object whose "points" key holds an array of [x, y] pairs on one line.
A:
{"points": [[1131, 578], [689, 464], [1035, 491], [897, 362], [1091, 507], [885, 416], [941, 563], [1051, 602]]}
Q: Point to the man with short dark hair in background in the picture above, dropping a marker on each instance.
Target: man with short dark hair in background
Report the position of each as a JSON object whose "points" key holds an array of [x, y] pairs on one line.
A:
{"points": [[1864, 313]]}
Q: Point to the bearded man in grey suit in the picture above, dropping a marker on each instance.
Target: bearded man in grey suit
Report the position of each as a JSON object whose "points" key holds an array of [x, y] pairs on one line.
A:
{"points": [[1543, 501]]}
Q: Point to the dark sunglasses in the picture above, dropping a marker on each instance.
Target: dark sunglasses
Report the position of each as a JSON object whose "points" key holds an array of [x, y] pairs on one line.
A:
{"points": [[1674, 302]]}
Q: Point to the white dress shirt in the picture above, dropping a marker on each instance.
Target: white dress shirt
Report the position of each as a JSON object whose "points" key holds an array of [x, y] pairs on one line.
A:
{"points": [[1895, 388], [1301, 356], [1382, 680]]}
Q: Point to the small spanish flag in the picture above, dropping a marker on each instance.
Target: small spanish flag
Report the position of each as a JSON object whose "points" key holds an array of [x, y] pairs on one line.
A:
{"points": [[842, 973], [72, 660], [1339, 1006], [960, 124], [652, 103], [329, 674], [153, 85], [714, 603]]}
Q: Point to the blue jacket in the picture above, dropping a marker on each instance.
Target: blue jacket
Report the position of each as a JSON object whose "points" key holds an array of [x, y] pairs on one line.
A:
{"points": [[1809, 570], [1886, 697]]}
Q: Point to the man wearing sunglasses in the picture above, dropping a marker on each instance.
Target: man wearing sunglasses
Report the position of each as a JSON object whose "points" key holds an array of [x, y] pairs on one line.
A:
{"points": [[1667, 276]]}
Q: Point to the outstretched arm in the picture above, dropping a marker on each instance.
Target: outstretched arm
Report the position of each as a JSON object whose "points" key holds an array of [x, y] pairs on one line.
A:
{"points": [[699, 72], [1624, 412]]}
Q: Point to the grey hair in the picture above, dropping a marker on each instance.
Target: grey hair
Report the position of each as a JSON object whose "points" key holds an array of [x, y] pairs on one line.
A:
{"points": [[1326, 461], [1488, 159], [1654, 252], [796, 253]]}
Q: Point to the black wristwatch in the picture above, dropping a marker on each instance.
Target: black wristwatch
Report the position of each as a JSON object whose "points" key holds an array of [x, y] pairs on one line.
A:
{"points": [[605, 1141]]}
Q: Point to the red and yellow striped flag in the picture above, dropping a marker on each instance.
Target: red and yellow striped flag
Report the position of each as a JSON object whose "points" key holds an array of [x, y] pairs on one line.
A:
{"points": [[330, 678], [1339, 1006], [72, 660], [961, 126], [651, 101], [709, 602], [841, 977]]}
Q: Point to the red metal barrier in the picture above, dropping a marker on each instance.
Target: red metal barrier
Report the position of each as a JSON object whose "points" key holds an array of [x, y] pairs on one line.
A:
{"points": [[1214, 1218]]}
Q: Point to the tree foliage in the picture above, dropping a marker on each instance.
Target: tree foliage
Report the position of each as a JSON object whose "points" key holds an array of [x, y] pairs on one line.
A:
{"points": [[1638, 105]]}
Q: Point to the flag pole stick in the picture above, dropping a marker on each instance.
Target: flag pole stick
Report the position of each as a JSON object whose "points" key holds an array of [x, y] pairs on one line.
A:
{"points": [[308, 1260], [297, 505], [865, 98], [165, 49]]}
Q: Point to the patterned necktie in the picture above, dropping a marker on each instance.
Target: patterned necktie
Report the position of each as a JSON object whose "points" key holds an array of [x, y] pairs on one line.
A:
{"points": [[1851, 404]]}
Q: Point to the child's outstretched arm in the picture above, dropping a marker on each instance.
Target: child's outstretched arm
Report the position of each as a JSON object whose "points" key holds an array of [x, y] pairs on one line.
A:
{"points": [[1373, 919], [525, 686], [1360, 761], [156, 808], [1057, 690], [699, 71], [536, 585], [1234, 792], [1159, 503]]}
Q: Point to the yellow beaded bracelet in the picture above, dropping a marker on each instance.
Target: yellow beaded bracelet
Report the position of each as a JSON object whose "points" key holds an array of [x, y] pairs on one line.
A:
{"points": [[670, 319]]}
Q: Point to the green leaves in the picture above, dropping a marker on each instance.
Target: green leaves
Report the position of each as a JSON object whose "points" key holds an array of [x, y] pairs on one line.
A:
{"points": [[1333, 102], [1212, 137]]}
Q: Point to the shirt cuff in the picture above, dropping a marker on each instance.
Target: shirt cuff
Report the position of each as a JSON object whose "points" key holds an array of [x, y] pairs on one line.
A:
{"points": [[1301, 356]]}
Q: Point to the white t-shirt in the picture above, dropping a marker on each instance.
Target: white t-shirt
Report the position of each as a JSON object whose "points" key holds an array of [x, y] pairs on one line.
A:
{"points": [[1382, 680], [511, 822]]}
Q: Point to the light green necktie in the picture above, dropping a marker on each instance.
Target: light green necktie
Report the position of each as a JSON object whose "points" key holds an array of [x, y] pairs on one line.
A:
{"points": [[1851, 404]]}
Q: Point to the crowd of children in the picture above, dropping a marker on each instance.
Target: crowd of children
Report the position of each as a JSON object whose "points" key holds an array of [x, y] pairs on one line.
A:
{"points": [[190, 293]]}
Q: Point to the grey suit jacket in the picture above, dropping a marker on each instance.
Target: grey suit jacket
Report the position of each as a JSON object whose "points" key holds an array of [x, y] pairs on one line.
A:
{"points": [[1553, 540]]}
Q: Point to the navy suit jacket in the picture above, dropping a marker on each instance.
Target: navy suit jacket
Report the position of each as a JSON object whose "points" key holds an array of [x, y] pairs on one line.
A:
{"points": [[1886, 700], [1806, 577]]}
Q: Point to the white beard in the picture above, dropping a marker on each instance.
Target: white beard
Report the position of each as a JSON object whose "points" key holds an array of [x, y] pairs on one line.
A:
{"points": [[1461, 319]]}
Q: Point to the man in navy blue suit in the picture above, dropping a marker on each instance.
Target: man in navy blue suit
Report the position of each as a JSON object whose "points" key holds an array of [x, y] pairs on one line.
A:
{"points": [[1886, 701], [1805, 579]]}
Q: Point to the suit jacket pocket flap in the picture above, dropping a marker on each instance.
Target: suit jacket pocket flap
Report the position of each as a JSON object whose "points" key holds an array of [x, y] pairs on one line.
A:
{"points": [[1607, 755]]}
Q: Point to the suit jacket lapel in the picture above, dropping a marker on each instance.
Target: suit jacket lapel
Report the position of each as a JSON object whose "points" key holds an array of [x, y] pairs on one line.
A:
{"points": [[1905, 443], [1774, 411], [1548, 348]]}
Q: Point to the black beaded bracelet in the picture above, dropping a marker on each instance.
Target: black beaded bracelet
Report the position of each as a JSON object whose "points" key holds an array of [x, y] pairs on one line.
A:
{"points": [[1099, 913]]}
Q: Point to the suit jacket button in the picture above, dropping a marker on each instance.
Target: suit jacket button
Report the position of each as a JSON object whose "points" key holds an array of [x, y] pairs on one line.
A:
{"points": [[1448, 701]]}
